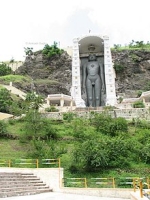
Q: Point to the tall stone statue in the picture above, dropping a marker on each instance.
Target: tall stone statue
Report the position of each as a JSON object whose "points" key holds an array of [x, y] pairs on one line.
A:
{"points": [[93, 81]]}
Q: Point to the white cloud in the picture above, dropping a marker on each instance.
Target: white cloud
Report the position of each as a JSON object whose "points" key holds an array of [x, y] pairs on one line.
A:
{"points": [[43, 21]]}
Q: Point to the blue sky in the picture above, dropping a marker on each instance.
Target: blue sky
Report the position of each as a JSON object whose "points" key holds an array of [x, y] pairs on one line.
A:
{"points": [[33, 23]]}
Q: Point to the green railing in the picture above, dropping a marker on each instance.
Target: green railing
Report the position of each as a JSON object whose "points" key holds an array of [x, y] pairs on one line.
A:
{"points": [[122, 182], [74, 182], [32, 163]]}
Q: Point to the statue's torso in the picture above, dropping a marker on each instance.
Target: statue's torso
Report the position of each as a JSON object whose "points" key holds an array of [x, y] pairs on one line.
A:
{"points": [[93, 68]]}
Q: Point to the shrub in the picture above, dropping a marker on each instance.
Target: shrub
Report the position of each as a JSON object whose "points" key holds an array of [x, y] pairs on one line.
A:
{"points": [[51, 109], [69, 116], [118, 68], [107, 125], [5, 69], [138, 104], [5, 100], [139, 93], [117, 126], [3, 130]]}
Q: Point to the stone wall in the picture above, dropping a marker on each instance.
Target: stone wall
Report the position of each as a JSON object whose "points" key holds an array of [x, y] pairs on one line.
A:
{"points": [[15, 65], [129, 114]]}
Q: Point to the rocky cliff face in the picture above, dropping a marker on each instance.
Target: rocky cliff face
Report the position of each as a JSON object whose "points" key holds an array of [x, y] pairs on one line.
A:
{"points": [[53, 76], [49, 76], [132, 71]]}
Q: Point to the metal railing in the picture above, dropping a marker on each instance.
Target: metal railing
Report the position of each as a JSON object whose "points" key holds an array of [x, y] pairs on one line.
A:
{"points": [[34, 163], [74, 182], [143, 186]]}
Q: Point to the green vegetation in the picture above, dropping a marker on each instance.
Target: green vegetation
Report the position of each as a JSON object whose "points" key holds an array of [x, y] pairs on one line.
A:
{"points": [[118, 68], [5, 69], [100, 146], [10, 103], [28, 51], [138, 104], [50, 51], [13, 78], [45, 81], [139, 93], [5, 100], [133, 45], [3, 130], [33, 101], [51, 109]]}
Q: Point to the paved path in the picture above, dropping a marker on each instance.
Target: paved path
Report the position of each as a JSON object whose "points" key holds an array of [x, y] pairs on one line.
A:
{"points": [[60, 196], [16, 91]]}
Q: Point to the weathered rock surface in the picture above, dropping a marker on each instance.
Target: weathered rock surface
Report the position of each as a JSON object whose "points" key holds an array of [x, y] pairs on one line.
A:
{"points": [[53, 76], [49, 76], [135, 74]]}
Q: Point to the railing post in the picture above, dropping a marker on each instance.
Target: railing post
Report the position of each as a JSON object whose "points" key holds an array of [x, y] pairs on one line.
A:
{"points": [[113, 182], [37, 163], [148, 183], [85, 182], [134, 184], [9, 163], [59, 162], [141, 188]]}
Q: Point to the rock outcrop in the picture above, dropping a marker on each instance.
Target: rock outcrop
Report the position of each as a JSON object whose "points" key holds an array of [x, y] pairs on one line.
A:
{"points": [[53, 76], [49, 76], [132, 71]]}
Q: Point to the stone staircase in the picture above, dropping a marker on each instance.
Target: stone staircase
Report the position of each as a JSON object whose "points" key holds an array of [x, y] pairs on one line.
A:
{"points": [[21, 184]]}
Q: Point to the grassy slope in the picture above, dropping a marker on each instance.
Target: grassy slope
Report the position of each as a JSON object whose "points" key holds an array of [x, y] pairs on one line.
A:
{"points": [[13, 149]]}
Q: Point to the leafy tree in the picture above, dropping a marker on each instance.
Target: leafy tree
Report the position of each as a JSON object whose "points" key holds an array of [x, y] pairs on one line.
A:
{"points": [[91, 154], [131, 44], [117, 126], [5, 69], [28, 51], [5, 100], [12, 60], [105, 124], [81, 130], [104, 152], [37, 128], [50, 51], [118, 149], [117, 46], [33, 100]]}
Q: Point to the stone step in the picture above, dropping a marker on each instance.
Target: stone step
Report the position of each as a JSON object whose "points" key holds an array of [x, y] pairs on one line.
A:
{"points": [[17, 184], [23, 188], [23, 193], [20, 184], [19, 178]]}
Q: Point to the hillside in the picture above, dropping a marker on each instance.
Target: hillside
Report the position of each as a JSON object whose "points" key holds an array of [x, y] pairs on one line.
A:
{"points": [[50, 76], [132, 71], [86, 147], [47, 76]]}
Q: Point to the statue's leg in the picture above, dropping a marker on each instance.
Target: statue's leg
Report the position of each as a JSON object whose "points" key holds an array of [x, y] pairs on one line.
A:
{"points": [[97, 91], [89, 92]]}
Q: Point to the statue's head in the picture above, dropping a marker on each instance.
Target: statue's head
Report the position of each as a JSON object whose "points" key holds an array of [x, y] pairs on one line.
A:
{"points": [[92, 57]]}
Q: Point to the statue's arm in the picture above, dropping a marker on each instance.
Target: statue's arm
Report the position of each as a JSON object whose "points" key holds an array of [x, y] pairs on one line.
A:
{"points": [[84, 76], [102, 77]]}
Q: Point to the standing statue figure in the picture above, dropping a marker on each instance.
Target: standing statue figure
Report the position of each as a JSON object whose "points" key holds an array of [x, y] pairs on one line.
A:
{"points": [[93, 81]]}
